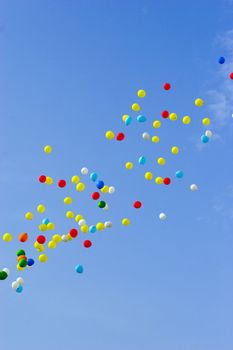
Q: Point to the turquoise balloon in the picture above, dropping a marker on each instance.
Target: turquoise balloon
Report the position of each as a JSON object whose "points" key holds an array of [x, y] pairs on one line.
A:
{"points": [[204, 138], [93, 177], [79, 268], [179, 174], [19, 289], [128, 121], [92, 229], [141, 119], [142, 160], [45, 221]]}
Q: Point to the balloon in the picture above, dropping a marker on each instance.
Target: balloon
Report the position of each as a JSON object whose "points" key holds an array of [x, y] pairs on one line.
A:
{"points": [[95, 196], [19, 289], [231, 75], [141, 119], [108, 224], [29, 216], [167, 86], [148, 175], [43, 258], [109, 135], [20, 280], [124, 117], [146, 136], [30, 262], [129, 165], [137, 204], [100, 184], [42, 178], [84, 171], [101, 204], [106, 207], [165, 114], [199, 102], [111, 190], [39, 246], [23, 263], [64, 238], [49, 180], [7, 237], [142, 160], [167, 181], [41, 239], [68, 200], [14, 285], [80, 187], [50, 226], [125, 222], [78, 217], [84, 228], [75, 179], [61, 183], [48, 149], [128, 120], [82, 222], [141, 93], [45, 221], [41, 208], [204, 138], [209, 133], [186, 120], [162, 216], [6, 270], [173, 116], [221, 60], [105, 189], [92, 229], [194, 188], [23, 237], [159, 180], [20, 252], [175, 150], [100, 226], [136, 107], [179, 174], [156, 124], [155, 139], [52, 245], [79, 268], [93, 177], [206, 121], [120, 136], [87, 243], [70, 214], [42, 227], [161, 161], [56, 238]]}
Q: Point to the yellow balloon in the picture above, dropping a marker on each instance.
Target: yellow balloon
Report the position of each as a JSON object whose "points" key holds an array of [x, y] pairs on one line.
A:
{"points": [[141, 93], [43, 258], [75, 179], [50, 226], [148, 175], [173, 116], [105, 189], [48, 149], [19, 268], [80, 187], [69, 214], [49, 180], [161, 161], [155, 139], [125, 222], [206, 121], [78, 218], [124, 117], [186, 120], [39, 246], [52, 244], [43, 227], [159, 180], [109, 135], [56, 238], [29, 215], [41, 208], [175, 150], [84, 228], [100, 226], [7, 237], [68, 236], [68, 200], [136, 107], [129, 165], [156, 124], [199, 102]]}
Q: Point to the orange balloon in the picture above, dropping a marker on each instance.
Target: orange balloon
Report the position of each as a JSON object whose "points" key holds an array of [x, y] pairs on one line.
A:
{"points": [[21, 257], [23, 237]]}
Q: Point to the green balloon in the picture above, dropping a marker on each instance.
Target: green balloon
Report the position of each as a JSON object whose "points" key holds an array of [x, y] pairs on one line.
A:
{"points": [[3, 275], [102, 204], [20, 252], [23, 263]]}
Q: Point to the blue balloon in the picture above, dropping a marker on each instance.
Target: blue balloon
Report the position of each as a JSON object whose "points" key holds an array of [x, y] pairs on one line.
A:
{"points": [[93, 177], [128, 120], [142, 160], [31, 262], [204, 138], [221, 60], [79, 268], [100, 184], [141, 119], [19, 289], [92, 229], [45, 221], [179, 174]]}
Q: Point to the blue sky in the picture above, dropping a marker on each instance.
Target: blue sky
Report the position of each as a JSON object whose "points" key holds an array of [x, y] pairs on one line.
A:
{"points": [[69, 70]]}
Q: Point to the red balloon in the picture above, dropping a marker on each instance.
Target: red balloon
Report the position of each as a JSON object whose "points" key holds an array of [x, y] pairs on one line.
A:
{"points": [[231, 75], [165, 114], [42, 178], [61, 183], [41, 239], [73, 232], [87, 243], [137, 204], [120, 136], [167, 86], [95, 196], [167, 181]]}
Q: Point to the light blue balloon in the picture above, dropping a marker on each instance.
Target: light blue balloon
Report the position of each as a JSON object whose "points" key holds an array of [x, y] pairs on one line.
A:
{"points": [[141, 118], [79, 268], [19, 289], [142, 160], [45, 221], [179, 174], [92, 229], [93, 177], [204, 138], [128, 120]]}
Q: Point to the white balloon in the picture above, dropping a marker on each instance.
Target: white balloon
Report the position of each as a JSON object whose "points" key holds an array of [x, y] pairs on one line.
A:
{"points": [[20, 280], [6, 270], [82, 222], [106, 207], [208, 133], [146, 136], [111, 189], [14, 285], [84, 171], [193, 187], [162, 216], [64, 238], [108, 224]]}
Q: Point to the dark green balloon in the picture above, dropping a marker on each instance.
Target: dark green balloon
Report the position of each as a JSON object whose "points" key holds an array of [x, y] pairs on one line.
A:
{"points": [[20, 252], [3, 275], [102, 204], [23, 263]]}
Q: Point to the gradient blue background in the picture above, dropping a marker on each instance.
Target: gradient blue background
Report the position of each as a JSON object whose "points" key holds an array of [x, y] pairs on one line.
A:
{"points": [[69, 70]]}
